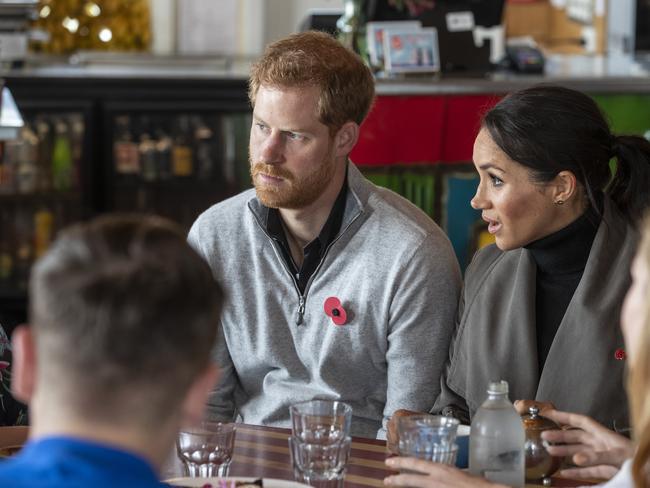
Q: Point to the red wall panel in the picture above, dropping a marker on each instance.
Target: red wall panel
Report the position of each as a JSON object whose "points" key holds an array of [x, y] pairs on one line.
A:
{"points": [[461, 124], [401, 129]]}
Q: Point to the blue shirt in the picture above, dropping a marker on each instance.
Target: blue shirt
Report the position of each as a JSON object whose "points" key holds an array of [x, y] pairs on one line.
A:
{"points": [[57, 462]]}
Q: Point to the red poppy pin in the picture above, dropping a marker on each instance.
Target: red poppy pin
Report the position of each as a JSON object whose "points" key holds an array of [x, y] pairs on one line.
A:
{"points": [[619, 354], [335, 310]]}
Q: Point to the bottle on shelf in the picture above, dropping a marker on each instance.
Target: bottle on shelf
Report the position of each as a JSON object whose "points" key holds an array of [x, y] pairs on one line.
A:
{"points": [[43, 230], [126, 156], [26, 163], [147, 151], [77, 129], [204, 150], [163, 152], [182, 160], [229, 144], [62, 163], [6, 247], [496, 445], [24, 252], [45, 151], [8, 163]]}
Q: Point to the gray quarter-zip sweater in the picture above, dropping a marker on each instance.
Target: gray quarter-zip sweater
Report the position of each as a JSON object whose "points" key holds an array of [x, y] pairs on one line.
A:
{"points": [[397, 278]]}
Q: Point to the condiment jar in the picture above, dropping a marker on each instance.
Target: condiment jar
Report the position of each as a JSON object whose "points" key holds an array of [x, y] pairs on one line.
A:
{"points": [[540, 465]]}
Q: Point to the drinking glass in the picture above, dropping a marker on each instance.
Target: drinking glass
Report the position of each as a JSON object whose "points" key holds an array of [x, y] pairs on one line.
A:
{"points": [[320, 421], [206, 450], [430, 437], [319, 465]]}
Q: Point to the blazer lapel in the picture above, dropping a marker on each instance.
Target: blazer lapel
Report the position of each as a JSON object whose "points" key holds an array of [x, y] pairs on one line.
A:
{"points": [[523, 370], [500, 334]]}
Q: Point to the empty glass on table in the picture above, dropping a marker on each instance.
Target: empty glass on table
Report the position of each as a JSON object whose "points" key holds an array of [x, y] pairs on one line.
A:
{"points": [[430, 437], [320, 442], [206, 450]]}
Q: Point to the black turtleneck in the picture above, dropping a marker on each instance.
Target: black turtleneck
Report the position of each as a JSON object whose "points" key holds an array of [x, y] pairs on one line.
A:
{"points": [[561, 259]]}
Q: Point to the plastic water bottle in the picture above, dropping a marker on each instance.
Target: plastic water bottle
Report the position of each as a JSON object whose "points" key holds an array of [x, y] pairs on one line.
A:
{"points": [[496, 443]]}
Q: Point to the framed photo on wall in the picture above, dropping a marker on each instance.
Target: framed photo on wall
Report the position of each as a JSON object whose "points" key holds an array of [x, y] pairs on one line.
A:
{"points": [[409, 51]]}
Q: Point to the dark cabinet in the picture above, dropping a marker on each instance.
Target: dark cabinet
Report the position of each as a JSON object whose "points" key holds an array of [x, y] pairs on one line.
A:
{"points": [[169, 146]]}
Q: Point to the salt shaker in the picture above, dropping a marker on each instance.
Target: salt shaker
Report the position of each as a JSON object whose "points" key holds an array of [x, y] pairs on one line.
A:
{"points": [[540, 465]]}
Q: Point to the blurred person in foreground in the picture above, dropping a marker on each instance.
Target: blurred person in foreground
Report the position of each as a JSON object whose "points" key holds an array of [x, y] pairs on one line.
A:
{"points": [[335, 288], [596, 451], [541, 307], [117, 354]]}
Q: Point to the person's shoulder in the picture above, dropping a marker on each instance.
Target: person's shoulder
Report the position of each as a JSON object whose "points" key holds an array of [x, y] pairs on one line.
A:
{"points": [[226, 208], [483, 263], [223, 214], [486, 256], [401, 216], [14, 473]]}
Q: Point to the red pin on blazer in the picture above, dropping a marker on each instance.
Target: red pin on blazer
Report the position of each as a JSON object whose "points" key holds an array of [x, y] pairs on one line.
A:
{"points": [[619, 354], [335, 310]]}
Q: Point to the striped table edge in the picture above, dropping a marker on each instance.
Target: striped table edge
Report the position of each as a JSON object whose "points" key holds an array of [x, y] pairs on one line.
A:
{"points": [[265, 451]]}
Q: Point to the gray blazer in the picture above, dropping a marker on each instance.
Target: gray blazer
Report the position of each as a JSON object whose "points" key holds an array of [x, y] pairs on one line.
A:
{"points": [[495, 337]]}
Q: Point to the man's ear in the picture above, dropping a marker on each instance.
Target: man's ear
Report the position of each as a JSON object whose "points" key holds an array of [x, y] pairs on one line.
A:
{"points": [[197, 395], [345, 139], [23, 367]]}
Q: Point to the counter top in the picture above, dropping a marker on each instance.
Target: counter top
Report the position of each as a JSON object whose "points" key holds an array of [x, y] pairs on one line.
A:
{"points": [[596, 74], [129, 66]]}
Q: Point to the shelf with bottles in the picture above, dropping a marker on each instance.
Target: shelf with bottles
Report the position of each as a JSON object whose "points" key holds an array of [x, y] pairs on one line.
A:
{"points": [[177, 164], [41, 191], [46, 156], [26, 231]]}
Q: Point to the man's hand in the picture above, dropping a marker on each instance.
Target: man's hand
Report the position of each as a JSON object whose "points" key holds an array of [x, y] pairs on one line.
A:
{"points": [[432, 475], [596, 451], [522, 406], [392, 434]]}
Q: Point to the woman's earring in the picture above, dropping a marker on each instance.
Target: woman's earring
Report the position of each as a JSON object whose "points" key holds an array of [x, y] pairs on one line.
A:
{"points": [[559, 202]]}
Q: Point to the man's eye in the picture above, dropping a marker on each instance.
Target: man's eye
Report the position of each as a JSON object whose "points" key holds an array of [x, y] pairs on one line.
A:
{"points": [[295, 136]]}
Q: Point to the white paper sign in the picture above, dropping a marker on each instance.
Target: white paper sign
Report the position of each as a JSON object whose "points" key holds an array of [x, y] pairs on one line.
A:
{"points": [[460, 21]]}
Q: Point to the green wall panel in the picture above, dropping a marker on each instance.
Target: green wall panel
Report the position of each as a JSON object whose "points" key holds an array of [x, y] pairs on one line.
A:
{"points": [[628, 114]]}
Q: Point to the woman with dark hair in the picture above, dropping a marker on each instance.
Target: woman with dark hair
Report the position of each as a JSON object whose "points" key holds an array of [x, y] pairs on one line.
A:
{"points": [[595, 451], [540, 309]]}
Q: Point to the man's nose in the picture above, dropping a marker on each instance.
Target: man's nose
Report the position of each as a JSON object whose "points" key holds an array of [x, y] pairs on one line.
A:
{"points": [[272, 149]]}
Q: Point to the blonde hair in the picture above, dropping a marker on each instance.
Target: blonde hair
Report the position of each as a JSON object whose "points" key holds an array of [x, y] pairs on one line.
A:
{"points": [[347, 87], [638, 383]]}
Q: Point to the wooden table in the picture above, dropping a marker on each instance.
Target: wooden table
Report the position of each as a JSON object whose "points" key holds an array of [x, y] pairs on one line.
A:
{"points": [[263, 452]]}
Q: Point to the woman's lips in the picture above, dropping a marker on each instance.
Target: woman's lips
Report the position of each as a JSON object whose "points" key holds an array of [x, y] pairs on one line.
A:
{"points": [[493, 225]]}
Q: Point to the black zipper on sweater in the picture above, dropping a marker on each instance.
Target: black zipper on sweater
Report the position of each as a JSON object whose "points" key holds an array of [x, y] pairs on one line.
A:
{"points": [[302, 297]]}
